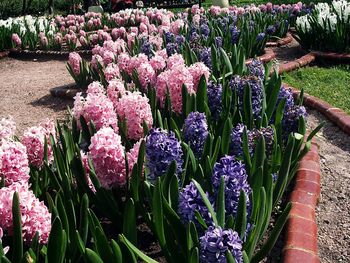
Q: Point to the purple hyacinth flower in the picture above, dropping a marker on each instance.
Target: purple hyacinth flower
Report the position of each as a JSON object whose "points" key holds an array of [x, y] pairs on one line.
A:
{"points": [[260, 37], [214, 93], [216, 242], [236, 180], [256, 68], [239, 84], [162, 148], [195, 132], [189, 201]]}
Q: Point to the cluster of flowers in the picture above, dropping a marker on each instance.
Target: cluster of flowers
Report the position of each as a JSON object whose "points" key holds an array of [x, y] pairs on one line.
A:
{"points": [[326, 27], [103, 109], [215, 242], [326, 15], [162, 72], [15, 159]]}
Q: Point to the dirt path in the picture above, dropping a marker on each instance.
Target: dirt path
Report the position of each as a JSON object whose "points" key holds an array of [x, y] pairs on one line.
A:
{"points": [[24, 89], [333, 210]]}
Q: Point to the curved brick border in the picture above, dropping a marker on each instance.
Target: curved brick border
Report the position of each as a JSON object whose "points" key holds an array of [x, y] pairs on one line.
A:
{"points": [[4, 54], [336, 115], [66, 91], [301, 230], [50, 54], [298, 63], [332, 55], [266, 57], [280, 42]]}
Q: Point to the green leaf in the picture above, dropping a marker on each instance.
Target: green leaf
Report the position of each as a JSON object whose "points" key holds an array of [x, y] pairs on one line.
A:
{"points": [[220, 203], [118, 256], [194, 256], [135, 250], [206, 202], [103, 248], [129, 222], [17, 230], [229, 257], [158, 213], [241, 218], [57, 245], [92, 256], [201, 94], [226, 137], [266, 248]]}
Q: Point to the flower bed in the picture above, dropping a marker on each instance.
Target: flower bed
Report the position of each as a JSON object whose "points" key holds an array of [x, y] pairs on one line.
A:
{"points": [[51, 33], [327, 28], [201, 153]]}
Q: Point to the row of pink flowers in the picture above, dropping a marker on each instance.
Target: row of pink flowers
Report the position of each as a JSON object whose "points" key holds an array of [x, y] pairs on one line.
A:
{"points": [[14, 170]]}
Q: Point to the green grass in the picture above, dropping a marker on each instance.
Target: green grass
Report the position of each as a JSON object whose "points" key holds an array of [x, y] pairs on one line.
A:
{"points": [[329, 84]]}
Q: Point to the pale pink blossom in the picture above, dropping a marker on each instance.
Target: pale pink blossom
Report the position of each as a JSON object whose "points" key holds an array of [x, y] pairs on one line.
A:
{"points": [[35, 216], [7, 128], [135, 109], [107, 155], [14, 166], [115, 90], [197, 70]]}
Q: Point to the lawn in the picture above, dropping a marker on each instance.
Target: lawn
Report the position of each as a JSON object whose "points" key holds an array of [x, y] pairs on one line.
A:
{"points": [[330, 84]]}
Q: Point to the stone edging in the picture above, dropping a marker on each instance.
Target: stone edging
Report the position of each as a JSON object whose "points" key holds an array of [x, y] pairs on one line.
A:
{"points": [[66, 91], [280, 42], [4, 54], [301, 229], [336, 115]]}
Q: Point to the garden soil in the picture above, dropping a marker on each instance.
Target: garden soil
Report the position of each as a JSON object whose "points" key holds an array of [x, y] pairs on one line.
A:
{"points": [[24, 94]]}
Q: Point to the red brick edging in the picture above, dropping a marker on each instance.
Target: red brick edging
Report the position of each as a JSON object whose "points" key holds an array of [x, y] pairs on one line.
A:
{"points": [[4, 54], [298, 63], [332, 55], [336, 115], [266, 57], [301, 229], [281, 42]]}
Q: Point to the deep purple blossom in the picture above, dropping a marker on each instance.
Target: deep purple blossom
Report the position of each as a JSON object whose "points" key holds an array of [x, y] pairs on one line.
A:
{"points": [[218, 42], [162, 148], [171, 49], [235, 32], [239, 84], [216, 242], [189, 201], [195, 132], [260, 37], [236, 180], [205, 56], [256, 68], [146, 48], [214, 92], [236, 145], [271, 29]]}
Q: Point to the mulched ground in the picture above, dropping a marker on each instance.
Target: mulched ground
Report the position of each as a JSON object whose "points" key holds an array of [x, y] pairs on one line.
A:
{"points": [[24, 89]]}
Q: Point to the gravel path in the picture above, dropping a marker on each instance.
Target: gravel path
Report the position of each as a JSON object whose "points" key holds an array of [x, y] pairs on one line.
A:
{"points": [[24, 89], [333, 210]]}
